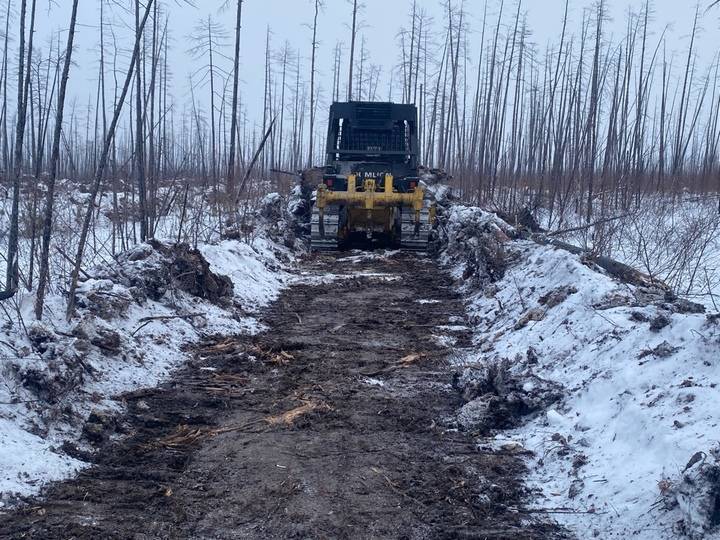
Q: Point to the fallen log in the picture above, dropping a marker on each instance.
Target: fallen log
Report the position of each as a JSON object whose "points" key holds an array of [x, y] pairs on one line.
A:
{"points": [[618, 270]]}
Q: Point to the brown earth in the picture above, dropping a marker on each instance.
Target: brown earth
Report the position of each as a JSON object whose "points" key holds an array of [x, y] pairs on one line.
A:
{"points": [[334, 423]]}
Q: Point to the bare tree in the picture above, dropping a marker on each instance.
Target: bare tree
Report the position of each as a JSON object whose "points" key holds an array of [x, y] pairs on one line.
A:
{"points": [[5, 145], [23, 89], [209, 38], [311, 148], [140, 135], [230, 185], [54, 158], [353, 36], [99, 173]]}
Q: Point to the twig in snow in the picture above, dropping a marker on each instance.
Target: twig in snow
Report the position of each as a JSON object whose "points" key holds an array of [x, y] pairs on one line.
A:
{"points": [[712, 296], [522, 300], [8, 346], [561, 511], [19, 315], [147, 320], [19, 402], [604, 317], [699, 334]]}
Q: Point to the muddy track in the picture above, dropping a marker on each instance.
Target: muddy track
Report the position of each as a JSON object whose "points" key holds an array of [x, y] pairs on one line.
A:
{"points": [[335, 423]]}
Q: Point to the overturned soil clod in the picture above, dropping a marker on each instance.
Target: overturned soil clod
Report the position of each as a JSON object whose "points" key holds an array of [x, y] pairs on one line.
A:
{"points": [[331, 424]]}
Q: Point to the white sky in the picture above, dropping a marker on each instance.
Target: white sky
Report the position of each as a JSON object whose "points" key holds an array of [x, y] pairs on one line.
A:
{"points": [[288, 19]]}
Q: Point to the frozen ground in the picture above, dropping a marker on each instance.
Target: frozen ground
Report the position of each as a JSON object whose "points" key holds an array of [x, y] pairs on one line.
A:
{"points": [[638, 373], [52, 378]]}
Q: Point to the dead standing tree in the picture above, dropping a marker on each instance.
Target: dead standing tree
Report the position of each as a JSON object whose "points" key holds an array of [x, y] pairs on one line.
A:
{"points": [[318, 5], [353, 36], [591, 126], [140, 135], [209, 39], [97, 181], [12, 276], [3, 113], [713, 4], [54, 158], [230, 185]]}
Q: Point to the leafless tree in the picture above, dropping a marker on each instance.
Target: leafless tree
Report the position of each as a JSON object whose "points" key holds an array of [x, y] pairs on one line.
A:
{"points": [[12, 275], [54, 159], [230, 185], [318, 5], [99, 173]]}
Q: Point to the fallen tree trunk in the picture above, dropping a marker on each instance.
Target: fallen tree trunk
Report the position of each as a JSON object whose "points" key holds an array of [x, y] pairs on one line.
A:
{"points": [[618, 270]]}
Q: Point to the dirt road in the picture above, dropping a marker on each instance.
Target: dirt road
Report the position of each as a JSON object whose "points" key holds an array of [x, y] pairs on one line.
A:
{"points": [[335, 423]]}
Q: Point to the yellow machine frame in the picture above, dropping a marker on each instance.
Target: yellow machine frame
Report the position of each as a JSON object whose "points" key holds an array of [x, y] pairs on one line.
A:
{"points": [[370, 200]]}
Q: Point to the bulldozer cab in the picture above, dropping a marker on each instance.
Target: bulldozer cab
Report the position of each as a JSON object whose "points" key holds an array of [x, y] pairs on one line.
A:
{"points": [[372, 139]]}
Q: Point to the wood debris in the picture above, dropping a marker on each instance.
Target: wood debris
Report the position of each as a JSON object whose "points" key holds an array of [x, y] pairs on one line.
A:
{"points": [[183, 436], [282, 358], [273, 356], [288, 418], [410, 359]]}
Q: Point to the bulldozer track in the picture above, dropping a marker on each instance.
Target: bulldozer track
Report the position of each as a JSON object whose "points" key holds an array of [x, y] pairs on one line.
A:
{"points": [[324, 235], [415, 236], [412, 237]]}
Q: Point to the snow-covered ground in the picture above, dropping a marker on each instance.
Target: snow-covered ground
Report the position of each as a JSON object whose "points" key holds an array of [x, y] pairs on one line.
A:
{"points": [[674, 238], [131, 331], [637, 370]]}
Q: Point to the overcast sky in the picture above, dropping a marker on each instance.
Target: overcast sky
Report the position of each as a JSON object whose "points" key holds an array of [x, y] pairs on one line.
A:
{"points": [[289, 19]]}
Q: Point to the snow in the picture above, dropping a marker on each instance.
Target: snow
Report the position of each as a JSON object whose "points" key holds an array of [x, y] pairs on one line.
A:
{"points": [[28, 460], [631, 418], [452, 327], [674, 237], [253, 268], [150, 351]]}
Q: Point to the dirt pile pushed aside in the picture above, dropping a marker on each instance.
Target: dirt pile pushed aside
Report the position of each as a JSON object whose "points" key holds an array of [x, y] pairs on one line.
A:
{"points": [[60, 359], [497, 398], [696, 493], [437, 190], [149, 271], [283, 219], [475, 239]]}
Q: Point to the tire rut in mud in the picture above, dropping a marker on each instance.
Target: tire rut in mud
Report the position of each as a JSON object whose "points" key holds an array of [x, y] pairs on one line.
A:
{"points": [[331, 424]]}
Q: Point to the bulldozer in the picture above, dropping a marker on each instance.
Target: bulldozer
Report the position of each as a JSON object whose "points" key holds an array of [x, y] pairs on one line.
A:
{"points": [[370, 193]]}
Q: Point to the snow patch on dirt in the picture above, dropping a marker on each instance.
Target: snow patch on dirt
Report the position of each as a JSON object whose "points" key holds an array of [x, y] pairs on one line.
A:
{"points": [[638, 373]]}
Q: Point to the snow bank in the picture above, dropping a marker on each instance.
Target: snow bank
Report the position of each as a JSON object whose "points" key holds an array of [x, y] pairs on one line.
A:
{"points": [[135, 318], [673, 237], [638, 371], [258, 271]]}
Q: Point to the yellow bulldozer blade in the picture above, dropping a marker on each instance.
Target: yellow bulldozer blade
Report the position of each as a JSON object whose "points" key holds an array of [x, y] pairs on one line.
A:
{"points": [[404, 217]]}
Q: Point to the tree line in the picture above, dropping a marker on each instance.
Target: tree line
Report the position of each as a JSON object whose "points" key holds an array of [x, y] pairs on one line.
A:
{"points": [[591, 124]]}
